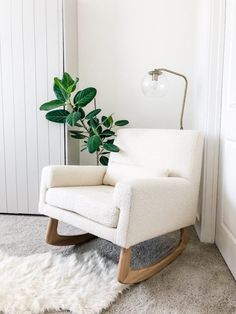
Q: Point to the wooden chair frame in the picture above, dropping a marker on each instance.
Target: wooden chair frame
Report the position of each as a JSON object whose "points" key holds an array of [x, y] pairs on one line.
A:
{"points": [[125, 274], [130, 276], [53, 238]]}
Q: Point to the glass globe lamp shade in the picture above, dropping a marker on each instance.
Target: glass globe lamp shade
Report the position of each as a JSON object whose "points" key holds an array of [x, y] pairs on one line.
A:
{"points": [[154, 86]]}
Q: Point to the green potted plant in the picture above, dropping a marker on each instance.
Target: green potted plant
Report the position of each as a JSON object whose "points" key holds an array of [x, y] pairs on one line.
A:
{"points": [[97, 131]]}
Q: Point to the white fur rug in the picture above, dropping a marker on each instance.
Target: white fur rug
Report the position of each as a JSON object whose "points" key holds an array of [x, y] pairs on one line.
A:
{"points": [[83, 284]]}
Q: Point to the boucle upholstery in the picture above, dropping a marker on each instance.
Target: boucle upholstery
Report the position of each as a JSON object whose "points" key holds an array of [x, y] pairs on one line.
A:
{"points": [[65, 176], [117, 172], [152, 207], [146, 207], [160, 151], [93, 202]]}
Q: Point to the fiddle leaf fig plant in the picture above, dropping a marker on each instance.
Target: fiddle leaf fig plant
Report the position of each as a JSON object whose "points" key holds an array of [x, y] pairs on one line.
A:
{"points": [[95, 130]]}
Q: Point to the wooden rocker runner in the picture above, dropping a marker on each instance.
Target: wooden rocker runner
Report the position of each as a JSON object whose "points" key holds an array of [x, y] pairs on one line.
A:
{"points": [[129, 201], [125, 273]]}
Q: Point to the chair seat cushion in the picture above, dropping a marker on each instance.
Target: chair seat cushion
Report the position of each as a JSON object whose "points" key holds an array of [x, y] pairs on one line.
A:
{"points": [[92, 202]]}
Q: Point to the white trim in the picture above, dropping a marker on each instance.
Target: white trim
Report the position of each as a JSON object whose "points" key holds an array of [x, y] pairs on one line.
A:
{"points": [[70, 25], [206, 226]]}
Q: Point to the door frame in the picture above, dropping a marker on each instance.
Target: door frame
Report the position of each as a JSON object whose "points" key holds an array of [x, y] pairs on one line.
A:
{"points": [[206, 224]]}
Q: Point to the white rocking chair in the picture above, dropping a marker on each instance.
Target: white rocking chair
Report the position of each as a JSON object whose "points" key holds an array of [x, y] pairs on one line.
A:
{"points": [[149, 188]]}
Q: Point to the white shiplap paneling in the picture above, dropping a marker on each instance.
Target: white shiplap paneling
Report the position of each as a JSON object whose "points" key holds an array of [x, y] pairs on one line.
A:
{"points": [[31, 54], [8, 107], [3, 191]]}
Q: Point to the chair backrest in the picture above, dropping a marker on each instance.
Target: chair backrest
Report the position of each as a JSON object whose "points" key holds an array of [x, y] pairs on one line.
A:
{"points": [[158, 150]]}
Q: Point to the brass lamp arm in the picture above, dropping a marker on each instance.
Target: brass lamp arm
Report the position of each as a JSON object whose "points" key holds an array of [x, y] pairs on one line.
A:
{"points": [[185, 92]]}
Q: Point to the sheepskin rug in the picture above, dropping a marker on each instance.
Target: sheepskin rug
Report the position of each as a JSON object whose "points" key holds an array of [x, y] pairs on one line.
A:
{"points": [[82, 284]]}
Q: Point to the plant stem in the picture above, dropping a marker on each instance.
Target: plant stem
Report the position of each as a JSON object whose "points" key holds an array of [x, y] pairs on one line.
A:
{"points": [[99, 153], [97, 157], [69, 103], [84, 126], [95, 103]]}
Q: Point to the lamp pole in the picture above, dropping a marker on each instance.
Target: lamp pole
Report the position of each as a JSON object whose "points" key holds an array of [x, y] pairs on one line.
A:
{"points": [[155, 73]]}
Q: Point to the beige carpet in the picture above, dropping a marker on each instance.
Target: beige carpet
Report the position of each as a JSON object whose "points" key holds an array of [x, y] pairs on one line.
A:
{"points": [[197, 282]]}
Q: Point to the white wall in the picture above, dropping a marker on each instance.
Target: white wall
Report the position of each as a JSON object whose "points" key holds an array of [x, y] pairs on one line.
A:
{"points": [[119, 41]]}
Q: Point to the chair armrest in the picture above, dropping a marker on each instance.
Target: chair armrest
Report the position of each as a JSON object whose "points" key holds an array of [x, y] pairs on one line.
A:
{"points": [[56, 176], [152, 207], [63, 176]]}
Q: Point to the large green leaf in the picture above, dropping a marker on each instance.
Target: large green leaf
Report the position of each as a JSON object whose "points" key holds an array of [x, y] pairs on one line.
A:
{"points": [[110, 119], [73, 118], [70, 119], [85, 96], [104, 121], [107, 133], [93, 143], [58, 93], [81, 111], [69, 83], [67, 80], [104, 160], [77, 117], [121, 122], [78, 125], [93, 113], [78, 136], [95, 132], [73, 86], [110, 141], [111, 147], [76, 132], [93, 123], [58, 116], [62, 89], [99, 129], [107, 121], [52, 105]]}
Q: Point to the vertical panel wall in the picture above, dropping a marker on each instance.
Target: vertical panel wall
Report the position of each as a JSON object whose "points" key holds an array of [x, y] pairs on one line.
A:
{"points": [[31, 54]]}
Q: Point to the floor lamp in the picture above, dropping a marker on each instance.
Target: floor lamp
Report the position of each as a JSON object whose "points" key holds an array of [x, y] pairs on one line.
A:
{"points": [[154, 85]]}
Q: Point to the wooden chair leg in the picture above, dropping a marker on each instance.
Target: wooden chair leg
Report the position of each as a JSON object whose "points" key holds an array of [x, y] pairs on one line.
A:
{"points": [[53, 238], [129, 276]]}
